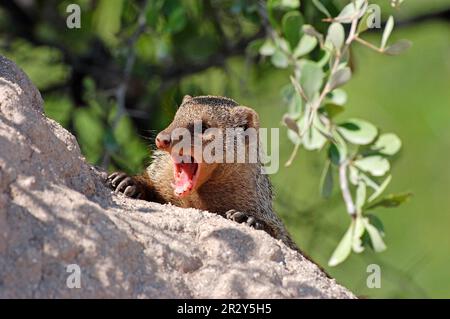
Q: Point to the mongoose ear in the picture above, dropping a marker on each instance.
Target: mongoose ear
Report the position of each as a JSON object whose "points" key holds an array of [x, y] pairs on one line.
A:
{"points": [[186, 98], [248, 115]]}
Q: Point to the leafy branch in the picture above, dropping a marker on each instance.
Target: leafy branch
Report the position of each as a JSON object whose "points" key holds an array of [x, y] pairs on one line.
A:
{"points": [[355, 147]]}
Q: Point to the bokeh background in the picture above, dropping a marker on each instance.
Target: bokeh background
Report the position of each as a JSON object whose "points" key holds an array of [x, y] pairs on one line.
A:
{"points": [[118, 79]]}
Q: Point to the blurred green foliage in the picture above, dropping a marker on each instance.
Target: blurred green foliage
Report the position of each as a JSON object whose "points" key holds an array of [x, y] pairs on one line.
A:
{"points": [[208, 47]]}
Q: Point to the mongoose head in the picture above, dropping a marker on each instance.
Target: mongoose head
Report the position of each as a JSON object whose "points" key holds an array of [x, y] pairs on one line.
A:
{"points": [[198, 138]]}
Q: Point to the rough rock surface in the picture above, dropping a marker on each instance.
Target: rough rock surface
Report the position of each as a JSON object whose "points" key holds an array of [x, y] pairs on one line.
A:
{"points": [[55, 211]]}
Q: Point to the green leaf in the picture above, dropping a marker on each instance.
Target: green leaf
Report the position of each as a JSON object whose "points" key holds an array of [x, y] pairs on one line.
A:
{"points": [[268, 48], [350, 11], [369, 182], [398, 47], [380, 189], [321, 8], [313, 139], [363, 25], [375, 165], [152, 13], [279, 59], [254, 47], [306, 45], [295, 106], [357, 244], [358, 132], [311, 78], [353, 175], [336, 35], [291, 4], [107, 19], [292, 27], [326, 181], [392, 200], [337, 152], [387, 32], [375, 237], [360, 196], [344, 248], [339, 78], [271, 6], [309, 30], [177, 20], [388, 144], [332, 109], [338, 97], [377, 223]]}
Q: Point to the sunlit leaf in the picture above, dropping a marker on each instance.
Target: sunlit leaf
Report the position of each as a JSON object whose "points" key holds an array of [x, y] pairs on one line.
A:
{"points": [[353, 175], [360, 195], [268, 48], [336, 35], [375, 237], [387, 31], [309, 30], [375, 165], [306, 45], [380, 189], [351, 11], [279, 59], [313, 139], [388, 144], [357, 244], [344, 248], [291, 4], [321, 8], [358, 131], [369, 182], [337, 96]]}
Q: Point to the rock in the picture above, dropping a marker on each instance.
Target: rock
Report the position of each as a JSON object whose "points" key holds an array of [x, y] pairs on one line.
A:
{"points": [[55, 212]]}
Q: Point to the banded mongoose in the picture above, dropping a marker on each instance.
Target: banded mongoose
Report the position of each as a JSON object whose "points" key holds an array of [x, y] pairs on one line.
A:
{"points": [[237, 191]]}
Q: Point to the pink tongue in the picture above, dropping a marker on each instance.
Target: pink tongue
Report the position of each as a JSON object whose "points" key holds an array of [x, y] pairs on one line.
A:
{"points": [[183, 180]]}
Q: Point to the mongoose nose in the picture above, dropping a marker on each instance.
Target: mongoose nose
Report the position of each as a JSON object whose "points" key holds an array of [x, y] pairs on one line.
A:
{"points": [[162, 141]]}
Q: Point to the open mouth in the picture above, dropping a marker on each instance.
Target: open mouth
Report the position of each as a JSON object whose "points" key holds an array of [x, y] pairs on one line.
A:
{"points": [[186, 171]]}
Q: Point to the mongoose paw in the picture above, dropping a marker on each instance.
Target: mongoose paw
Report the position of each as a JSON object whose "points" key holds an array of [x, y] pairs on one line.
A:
{"points": [[122, 183], [241, 218]]}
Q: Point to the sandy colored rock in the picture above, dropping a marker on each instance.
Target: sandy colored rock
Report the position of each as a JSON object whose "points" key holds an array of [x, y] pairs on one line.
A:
{"points": [[55, 211]]}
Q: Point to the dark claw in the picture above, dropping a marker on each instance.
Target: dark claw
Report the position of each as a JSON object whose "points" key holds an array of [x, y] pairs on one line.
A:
{"points": [[118, 178], [240, 217], [122, 183], [236, 216], [130, 191]]}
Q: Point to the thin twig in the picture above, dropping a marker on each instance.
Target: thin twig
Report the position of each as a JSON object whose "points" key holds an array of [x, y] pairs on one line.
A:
{"points": [[368, 44], [293, 155]]}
